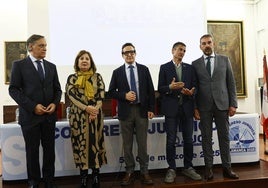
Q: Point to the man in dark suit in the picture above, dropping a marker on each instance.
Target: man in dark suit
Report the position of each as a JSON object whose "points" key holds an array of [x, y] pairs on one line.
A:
{"points": [[136, 100], [176, 85], [215, 101], [37, 91]]}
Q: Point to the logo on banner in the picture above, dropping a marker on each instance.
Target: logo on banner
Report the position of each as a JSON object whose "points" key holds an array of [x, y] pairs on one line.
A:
{"points": [[242, 137]]}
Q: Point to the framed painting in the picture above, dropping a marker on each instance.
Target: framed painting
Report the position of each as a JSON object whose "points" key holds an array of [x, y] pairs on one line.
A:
{"points": [[13, 51], [228, 38]]}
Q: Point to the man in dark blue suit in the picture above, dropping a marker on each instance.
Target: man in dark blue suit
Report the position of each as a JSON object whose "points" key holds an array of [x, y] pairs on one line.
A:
{"points": [[132, 86], [176, 85], [35, 86]]}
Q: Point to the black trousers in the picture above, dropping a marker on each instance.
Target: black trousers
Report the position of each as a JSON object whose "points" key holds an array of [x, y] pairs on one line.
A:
{"points": [[44, 134]]}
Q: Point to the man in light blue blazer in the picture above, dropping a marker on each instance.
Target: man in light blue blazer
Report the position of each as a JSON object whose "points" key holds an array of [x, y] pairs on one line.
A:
{"points": [[215, 101]]}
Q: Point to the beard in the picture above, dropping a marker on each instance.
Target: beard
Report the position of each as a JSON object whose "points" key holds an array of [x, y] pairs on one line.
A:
{"points": [[208, 51]]}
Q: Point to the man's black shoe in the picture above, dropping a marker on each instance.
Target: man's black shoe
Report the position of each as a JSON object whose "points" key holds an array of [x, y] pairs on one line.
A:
{"points": [[33, 186], [208, 173], [229, 173], [50, 185]]}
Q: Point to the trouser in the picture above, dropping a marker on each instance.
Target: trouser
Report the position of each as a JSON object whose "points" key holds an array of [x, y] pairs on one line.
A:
{"points": [[135, 125]]}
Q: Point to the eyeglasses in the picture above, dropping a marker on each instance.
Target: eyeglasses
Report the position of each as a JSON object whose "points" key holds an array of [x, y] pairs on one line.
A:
{"points": [[132, 52]]}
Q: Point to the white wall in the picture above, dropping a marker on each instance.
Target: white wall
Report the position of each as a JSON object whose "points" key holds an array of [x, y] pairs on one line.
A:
{"points": [[103, 26], [31, 16], [13, 21], [242, 11], [261, 29]]}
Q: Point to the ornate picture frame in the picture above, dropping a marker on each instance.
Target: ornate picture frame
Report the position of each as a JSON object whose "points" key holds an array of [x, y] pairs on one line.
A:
{"points": [[228, 38], [14, 50]]}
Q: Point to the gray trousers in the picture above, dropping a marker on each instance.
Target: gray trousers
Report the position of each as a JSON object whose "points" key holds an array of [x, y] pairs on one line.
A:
{"points": [[137, 126], [221, 119]]}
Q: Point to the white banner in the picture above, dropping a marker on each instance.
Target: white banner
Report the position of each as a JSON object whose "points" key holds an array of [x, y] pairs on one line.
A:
{"points": [[244, 136]]}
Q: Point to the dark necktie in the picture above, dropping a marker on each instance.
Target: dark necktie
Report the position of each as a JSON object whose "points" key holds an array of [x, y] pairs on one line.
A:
{"points": [[208, 66], [133, 81], [40, 70]]}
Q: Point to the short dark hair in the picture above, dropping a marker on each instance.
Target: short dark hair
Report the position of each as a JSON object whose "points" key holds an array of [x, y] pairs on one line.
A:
{"points": [[178, 44], [206, 36], [32, 40], [127, 44], [92, 63]]}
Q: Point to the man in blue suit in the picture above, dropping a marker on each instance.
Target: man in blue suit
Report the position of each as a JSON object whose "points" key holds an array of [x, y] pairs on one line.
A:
{"points": [[35, 86], [215, 101], [131, 84], [176, 85]]}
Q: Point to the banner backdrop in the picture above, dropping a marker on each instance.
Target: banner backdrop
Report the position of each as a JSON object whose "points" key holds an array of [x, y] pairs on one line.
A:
{"points": [[244, 136]]}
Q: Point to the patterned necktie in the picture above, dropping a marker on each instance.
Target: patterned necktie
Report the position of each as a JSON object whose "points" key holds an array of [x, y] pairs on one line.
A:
{"points": [[132, 81], [40, 70], [208, 66]]}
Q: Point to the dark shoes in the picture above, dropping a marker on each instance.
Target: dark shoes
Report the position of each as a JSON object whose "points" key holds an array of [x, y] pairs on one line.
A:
{"points": [[50, 185], [33, 186], [128, 179], [146, 179], [229, 173], [83, 178], [208, 173], [95, 179], [47, 185], [83, 183], [96, 182]]}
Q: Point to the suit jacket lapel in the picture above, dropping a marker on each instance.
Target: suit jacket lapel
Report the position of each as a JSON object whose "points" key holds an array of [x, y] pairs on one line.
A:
{"points": [[46, 68], [171, 67], [30, 64], [216, 59], [202, 66], [183, 71], [124, 76]]}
